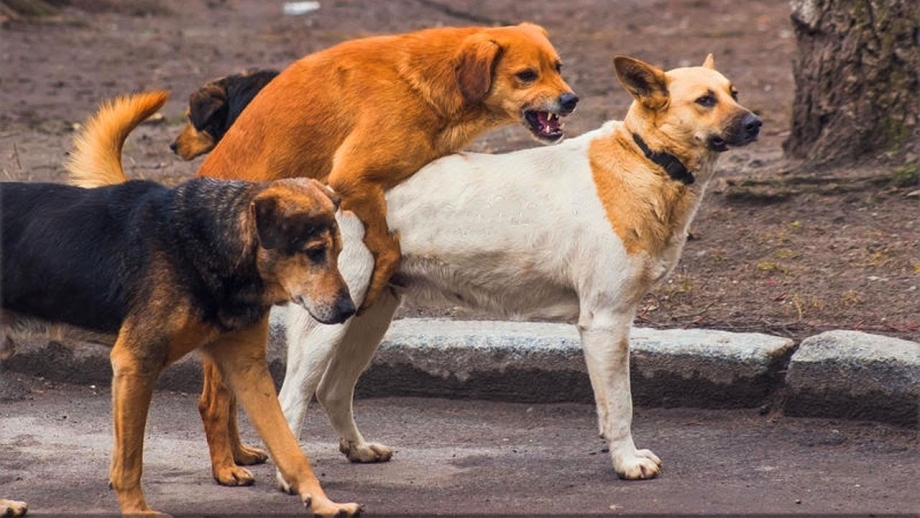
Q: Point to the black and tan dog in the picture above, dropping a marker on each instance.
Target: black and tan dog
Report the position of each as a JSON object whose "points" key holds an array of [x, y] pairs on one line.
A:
{"points": [[214, 107], [167, 271]]}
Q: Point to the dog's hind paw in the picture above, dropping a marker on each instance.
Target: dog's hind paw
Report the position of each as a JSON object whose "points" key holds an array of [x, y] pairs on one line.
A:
{"points": [[366, 452], [642, 464]]}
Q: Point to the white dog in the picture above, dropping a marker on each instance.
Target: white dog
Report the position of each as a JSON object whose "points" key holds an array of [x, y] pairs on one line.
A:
{"points": [[577, 232]]}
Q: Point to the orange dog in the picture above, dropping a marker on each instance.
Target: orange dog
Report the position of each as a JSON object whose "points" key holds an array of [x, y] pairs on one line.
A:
{"points": [[365, 115]]}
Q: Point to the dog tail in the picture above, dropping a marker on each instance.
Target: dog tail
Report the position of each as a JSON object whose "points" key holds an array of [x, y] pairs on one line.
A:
{"points": [[96, 158]]}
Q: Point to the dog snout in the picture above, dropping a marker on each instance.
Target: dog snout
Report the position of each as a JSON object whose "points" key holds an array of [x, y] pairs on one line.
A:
{"points": [[345, 308], [567, 102], [750, 125]]}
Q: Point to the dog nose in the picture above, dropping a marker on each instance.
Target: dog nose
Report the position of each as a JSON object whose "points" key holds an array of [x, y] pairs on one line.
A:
{"points": [[751, 125], [568, 101], [173, 145], [345, 308]]}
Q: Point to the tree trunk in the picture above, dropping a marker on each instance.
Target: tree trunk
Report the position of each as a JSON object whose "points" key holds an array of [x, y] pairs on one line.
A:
{"points": [[857, 77]]}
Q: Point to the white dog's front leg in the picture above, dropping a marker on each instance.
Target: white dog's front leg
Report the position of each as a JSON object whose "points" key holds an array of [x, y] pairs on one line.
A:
{"points": [[311, 346], [606, 345]]}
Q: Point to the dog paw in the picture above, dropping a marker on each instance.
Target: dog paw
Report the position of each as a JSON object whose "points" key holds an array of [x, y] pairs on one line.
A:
{"points": [[13, 508], [329, 508], [233, 476], [284, 487], [248, 456], [642, 464], [365, 452]]}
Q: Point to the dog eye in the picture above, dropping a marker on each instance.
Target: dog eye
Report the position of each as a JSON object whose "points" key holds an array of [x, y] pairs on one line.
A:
{"points": [[734, 93], [527, 75], [559, 68], [707, 100], [316, 254]]}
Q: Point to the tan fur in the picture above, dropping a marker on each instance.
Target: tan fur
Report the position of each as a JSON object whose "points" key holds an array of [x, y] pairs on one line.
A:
{"points": [[13, 508], [643, 210], [96, 158]]}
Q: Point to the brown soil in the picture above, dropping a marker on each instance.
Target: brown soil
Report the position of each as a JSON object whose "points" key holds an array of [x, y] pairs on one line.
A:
{"points": [[775, 248]]}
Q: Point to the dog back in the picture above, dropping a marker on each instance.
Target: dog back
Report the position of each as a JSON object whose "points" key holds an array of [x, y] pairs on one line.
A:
{"points": [[70, 254]]}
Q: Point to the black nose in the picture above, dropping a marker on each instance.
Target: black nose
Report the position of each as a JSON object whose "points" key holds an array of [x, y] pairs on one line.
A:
{"points": [[173, 146], [344, 308], [568, 101], [751, 126]]}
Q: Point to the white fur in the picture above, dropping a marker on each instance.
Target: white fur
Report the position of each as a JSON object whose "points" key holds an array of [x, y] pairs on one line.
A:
{"points": [[522, 234]]}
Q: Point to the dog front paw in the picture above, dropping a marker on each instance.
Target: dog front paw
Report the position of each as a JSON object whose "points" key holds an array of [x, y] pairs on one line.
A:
{"points": [[233, 476], [13, 508], [639, 465], [366, 452], [248, 455], [325, 507]]}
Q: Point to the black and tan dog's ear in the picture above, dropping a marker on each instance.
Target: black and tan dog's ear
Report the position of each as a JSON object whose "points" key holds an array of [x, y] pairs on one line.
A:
{"points": [[204, 104], [709, 62], [647, 84], [269, 221], [475, 65]]}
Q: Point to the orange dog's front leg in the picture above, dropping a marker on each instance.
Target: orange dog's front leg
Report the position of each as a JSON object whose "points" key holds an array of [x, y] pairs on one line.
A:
{"points": [[240, 356]]}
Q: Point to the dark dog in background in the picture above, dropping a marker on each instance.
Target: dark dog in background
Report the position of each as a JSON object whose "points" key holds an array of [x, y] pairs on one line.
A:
{"points": [[214, 107], [165, 271]]}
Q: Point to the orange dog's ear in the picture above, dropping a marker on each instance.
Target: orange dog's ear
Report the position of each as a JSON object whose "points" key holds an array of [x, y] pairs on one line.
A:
{"points": [[647, 84], [475, 64], [203, 104]]}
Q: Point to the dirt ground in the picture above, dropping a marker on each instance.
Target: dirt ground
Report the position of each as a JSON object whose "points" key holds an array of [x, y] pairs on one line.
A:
{"points": [[775, 249]]}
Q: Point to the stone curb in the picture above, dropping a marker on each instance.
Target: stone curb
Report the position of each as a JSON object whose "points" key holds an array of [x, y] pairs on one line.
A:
{"points": [[837, 374]]}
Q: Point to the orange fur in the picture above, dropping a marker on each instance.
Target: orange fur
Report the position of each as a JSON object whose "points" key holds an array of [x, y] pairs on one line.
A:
{"points": [[96, 158]]}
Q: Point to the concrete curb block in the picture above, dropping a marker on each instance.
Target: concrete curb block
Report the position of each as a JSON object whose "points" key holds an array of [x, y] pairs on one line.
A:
{"points": [[855, 375], [836, 374], [534, 362]]}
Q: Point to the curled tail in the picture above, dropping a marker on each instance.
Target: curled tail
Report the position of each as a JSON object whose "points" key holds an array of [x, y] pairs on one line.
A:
{"points": [[96, 158]]}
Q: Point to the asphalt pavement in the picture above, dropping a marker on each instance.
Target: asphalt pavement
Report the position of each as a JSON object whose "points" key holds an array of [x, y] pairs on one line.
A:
{"points": [[468, 457]]}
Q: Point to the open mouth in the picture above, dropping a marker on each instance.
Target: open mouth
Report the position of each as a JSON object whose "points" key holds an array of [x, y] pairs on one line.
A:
{"points": [[545, 126], [717, 144]]}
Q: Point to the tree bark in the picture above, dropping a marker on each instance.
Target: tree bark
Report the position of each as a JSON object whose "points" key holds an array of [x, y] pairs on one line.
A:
{"points": [[857, 77]]}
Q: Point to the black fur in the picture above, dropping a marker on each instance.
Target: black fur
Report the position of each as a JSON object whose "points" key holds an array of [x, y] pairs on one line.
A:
{"points": [[215, 112], [86, 257]]}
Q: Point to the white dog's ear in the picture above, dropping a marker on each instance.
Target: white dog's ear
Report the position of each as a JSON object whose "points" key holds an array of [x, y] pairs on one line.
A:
{"points": [[647, 84], [709, 62]]}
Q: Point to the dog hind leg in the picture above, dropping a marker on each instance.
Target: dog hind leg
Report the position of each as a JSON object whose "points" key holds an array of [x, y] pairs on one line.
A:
{"points": [[605, 338], [133, 382]]}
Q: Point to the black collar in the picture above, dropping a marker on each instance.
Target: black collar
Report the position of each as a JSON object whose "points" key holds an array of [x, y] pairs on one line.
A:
{"points": [[667, 161]]}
